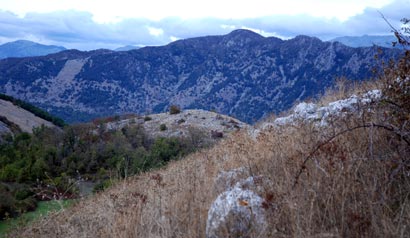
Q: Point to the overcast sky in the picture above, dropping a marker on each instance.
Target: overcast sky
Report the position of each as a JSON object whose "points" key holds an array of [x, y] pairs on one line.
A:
{"points": [[91, 24]]}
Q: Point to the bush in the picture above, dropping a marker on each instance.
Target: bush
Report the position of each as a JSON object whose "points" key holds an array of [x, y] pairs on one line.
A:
{"points": [[26, 205], [217, 134], [166, 149], [23, 193], [163, 127], [174, 109], [147, 118], [6, 202], [103, 185], [396, 88], [9, 172], [15, 200]]}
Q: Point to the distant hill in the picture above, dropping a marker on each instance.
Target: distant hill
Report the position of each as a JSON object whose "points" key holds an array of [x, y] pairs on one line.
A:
{"points": [[126, 48], [34, 110], [179, 124], [15, 119], [366, 41], [240, 74], [24, 48], [18, 116]]}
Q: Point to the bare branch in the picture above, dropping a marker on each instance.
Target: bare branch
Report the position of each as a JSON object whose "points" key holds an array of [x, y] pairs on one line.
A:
{"points": [[371, 125]]}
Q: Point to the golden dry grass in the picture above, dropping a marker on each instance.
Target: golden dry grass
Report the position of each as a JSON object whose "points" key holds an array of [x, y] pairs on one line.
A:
{"points": [[344, 88], [355, 182]]}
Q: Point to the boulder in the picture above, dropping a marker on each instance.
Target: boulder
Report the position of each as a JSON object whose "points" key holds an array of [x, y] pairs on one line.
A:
{"points": [[238, 211], [226, 180]]}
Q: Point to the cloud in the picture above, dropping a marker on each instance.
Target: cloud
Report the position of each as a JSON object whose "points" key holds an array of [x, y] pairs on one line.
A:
{"points": [[78, 29], [75, 29]]}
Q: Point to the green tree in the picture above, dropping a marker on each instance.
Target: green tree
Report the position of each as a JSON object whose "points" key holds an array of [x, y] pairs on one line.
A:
{"points": [[165, 149]]}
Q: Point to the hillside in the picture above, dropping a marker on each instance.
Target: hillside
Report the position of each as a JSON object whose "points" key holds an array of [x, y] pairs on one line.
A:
{"points": [[241, 74], [327, 169], [24, 48], [24, 119], [180, 124], [83, 158]]}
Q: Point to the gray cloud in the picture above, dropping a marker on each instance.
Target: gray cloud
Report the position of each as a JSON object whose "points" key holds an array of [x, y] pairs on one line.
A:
{"points": [[74, 29]]}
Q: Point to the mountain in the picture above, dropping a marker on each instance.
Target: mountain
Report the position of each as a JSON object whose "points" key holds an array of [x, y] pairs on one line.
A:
{"points": [[366, 41], [241, 74], [127, 47], [24, 48]]}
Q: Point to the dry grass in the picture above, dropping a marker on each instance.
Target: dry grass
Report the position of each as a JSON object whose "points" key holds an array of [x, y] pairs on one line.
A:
{"points": [[344, 88], [355, 184]]}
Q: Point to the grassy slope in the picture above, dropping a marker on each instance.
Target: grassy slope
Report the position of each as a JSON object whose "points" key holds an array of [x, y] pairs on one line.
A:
{"points": [[352, 185], [43, 208]]}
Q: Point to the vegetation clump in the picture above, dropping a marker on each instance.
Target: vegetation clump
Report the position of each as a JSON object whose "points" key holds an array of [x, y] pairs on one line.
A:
{"points": [[163, 127], [51, 163], [174, 109]]}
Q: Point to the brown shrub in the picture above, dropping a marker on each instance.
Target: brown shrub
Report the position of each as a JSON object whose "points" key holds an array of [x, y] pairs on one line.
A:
{"points": [[174, 109]]}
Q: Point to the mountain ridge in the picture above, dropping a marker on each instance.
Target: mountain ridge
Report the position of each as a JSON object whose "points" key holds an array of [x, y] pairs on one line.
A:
{"points": [[25, 48], [241, 74]]}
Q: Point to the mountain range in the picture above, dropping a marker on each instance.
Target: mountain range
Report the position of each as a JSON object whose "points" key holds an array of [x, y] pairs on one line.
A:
{"points": [[24, 48], [241, 74]]}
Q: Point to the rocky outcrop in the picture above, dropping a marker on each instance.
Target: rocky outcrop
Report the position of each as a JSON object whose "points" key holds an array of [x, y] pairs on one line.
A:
{"points": [[237, 211], [321, 116], [310, 112]]}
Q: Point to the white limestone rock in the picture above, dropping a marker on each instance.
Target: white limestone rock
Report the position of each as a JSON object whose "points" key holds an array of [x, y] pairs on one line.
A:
{"points": [[226, 180], [238, 211], [310, 112]]}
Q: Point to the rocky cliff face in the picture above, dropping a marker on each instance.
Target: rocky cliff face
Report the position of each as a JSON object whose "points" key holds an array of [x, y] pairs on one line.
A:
{"points": [[241, 74]]}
